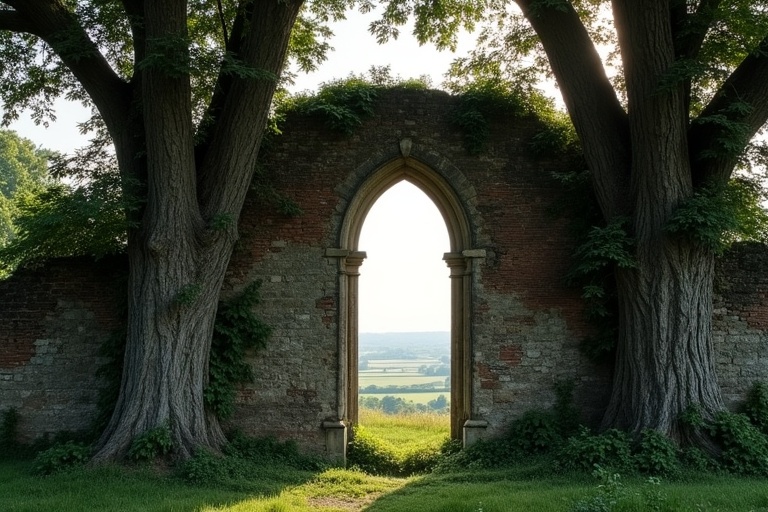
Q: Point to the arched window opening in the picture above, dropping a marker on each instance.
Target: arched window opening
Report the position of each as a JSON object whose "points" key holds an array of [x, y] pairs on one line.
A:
{"points": [[404, 339], [459, 259]]}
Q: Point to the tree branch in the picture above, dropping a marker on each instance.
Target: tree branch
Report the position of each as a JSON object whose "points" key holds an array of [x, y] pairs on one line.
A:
{"points": [[594, 108], [59, 28], [223, 81], [13, 22], [229, 161], [690, 30], [732, 118]]}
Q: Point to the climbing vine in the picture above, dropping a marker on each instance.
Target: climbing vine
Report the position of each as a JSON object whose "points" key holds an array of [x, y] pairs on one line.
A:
{"points": [[237, 331]]}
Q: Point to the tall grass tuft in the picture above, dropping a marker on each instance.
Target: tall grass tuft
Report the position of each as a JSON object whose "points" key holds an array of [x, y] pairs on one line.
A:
{"points": [[409, 428], [398, 444]]}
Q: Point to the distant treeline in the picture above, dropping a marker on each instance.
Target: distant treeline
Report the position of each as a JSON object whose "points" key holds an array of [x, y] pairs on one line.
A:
{"points": [[398, 405], [373, 389]]}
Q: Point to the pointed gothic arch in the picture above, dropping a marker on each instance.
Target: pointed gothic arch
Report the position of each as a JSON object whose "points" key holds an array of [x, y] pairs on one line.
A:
{"points": [[459, 261]]}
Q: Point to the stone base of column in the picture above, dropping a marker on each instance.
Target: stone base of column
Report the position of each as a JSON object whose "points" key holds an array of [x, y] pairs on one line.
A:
{"points": [[474, 431], [336, 442]]}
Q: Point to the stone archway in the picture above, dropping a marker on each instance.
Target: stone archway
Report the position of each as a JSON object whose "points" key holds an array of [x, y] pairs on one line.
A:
{"points": [[459, 260]]}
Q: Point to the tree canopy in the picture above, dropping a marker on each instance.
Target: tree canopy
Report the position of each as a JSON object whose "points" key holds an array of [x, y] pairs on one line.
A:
{"points": [[23, 173]]}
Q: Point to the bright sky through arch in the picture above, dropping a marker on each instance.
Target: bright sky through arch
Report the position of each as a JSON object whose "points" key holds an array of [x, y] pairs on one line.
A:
{"points": [[404, 284]]}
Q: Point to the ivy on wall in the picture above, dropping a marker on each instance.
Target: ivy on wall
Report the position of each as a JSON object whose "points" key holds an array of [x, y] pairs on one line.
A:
{"points": [[236, 332]]}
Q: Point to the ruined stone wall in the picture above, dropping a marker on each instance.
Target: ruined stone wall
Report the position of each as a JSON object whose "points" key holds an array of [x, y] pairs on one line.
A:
{"points": [[740, 321], [53, 320], [525, 326]]}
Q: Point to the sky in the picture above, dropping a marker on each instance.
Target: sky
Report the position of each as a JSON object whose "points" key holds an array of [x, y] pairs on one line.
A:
{"points": [[404, 284]]}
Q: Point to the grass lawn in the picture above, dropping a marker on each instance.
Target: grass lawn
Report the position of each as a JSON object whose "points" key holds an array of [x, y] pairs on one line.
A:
{"points": [[115, 489], [278, 487], [285, 489]]}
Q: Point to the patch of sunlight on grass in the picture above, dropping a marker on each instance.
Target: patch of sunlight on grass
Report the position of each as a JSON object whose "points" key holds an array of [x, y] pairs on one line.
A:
{"points": [[332, 490]]}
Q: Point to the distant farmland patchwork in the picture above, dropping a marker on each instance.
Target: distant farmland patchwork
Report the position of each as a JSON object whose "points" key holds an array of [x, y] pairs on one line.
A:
{"points": [[411, 366]]}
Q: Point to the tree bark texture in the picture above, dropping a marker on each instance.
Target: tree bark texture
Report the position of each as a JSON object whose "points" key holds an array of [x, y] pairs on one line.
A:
{"points": [[173, 296], [179, 254], [664, 360], [646, 161]]}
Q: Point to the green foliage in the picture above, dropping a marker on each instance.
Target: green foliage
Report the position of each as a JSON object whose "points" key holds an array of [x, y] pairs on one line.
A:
{"points": [[601, 250], [380, 457], [744, 446], [250, 464], [23, 166], [236, 331], [656, 454], [535, 431], [544, 431], [90, 218], [611, 449], [734, 136], [23, 173], [756, 406], [397, 405], [61, 457], [437, 22], [169, 54], [482, 100], [151, 444], [610, 491], [718, 217], [343, 104], [612, 495], [234, 66], [557, 137], [204, 468], [695, 459], [267, 450]]}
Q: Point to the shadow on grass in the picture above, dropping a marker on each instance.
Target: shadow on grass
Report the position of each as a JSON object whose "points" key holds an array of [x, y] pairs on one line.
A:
{"points": [[143, 489]]}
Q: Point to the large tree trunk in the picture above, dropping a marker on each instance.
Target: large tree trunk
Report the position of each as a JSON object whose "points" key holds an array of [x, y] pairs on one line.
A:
{"points": [[173, 295], [176, 265], [664, 361]]}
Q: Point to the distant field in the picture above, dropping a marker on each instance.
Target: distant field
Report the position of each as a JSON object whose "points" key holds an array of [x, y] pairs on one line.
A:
{"points": [[417, 398], [401, 363], [397, 379]]}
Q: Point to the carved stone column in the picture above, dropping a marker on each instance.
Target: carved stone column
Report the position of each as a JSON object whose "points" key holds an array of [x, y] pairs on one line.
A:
{"points": [[461, 267], [460, 356], [336, 430], [353, 262]]}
